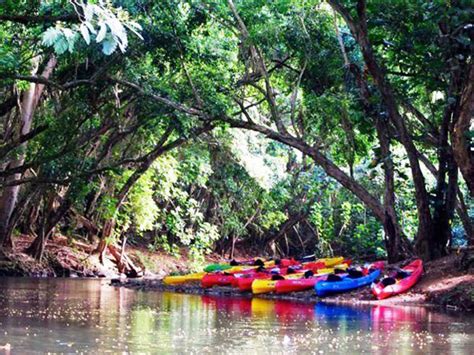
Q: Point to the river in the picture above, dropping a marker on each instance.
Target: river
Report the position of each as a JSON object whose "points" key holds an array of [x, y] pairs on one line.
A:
{"points": [[89, 316]]}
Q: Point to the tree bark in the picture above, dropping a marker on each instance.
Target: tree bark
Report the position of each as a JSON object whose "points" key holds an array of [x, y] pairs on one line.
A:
{"points": [[359, 31], [396, 245], [9, 195], [393, 234], [446, 178], [461, 143], [51, 219]]}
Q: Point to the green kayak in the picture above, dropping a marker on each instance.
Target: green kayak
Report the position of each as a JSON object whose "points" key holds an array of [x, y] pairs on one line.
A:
{"points": [[217, 267]]}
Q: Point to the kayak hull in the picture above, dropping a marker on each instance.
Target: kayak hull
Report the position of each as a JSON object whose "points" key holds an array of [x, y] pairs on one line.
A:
{"points": [[263, 286], [211, 280], [415, 269], [269, 285], [176, 280], [244, 283], [347, 283], [292, 285], [287, 286]]}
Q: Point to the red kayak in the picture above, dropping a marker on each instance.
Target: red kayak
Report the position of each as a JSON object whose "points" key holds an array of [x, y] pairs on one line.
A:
{"points": [[287, 262], [244, 283], [223, 278], [217, 279], [286, 286], [399, 283], [296, 285]]}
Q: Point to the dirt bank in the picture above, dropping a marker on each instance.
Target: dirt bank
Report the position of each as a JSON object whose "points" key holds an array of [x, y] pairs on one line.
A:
{"points": [[448, 282], [444, 283], [72, 258]]}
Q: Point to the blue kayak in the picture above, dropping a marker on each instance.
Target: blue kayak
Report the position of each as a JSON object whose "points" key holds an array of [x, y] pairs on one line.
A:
{"points": [[346, 283]]}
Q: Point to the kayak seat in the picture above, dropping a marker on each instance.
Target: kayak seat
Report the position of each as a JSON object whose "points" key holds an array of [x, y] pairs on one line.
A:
{"points": [[355, 274], [388, 281], [401, 274], [333, 278], [290, 270], [277, 277], [308, 274], [234, 263], [258, 262], [339, 271]]}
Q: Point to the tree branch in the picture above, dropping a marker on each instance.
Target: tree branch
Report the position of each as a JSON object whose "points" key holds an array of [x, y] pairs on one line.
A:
{"points": [[29, 19]]}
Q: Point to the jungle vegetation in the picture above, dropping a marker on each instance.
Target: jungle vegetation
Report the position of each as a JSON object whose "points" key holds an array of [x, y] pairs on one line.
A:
{"points": [[338, 126]]}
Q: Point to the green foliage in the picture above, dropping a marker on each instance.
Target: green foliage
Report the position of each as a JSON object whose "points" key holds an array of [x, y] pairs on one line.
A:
{"points": [[225, 185], [100, 22]]}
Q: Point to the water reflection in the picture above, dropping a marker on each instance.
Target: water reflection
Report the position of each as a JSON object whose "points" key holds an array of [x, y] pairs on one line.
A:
{"points": [[87, 315]]}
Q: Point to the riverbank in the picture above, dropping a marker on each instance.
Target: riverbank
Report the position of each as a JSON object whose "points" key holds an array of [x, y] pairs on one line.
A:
{"points": [[447, 282], [444, 283], [65, 257]]}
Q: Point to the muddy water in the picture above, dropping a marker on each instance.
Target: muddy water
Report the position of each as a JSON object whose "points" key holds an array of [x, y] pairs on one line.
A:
{"points": [[72, 315]]}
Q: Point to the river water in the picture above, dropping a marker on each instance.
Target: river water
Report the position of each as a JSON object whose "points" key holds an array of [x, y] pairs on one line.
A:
{"points": [[89, 316]]}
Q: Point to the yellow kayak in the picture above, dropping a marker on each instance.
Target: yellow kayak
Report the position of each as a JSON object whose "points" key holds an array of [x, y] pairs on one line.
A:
{"points": [[330, 270], [176, 280], [179, 279], [268, 285], [332, 261]]}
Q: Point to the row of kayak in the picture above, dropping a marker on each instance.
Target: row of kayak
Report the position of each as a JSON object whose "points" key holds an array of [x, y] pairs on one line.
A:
{"points": [[325, 276]]}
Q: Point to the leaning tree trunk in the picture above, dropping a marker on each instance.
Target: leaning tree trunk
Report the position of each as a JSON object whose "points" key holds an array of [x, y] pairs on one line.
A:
{"points": [[446, 179], [51, 219], [9, 196], [109, 225], [377, 71], [396, 251], [463, 153]]}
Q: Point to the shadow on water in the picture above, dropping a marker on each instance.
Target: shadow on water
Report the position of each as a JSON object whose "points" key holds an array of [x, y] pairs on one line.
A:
{"points": [[69, 315]]}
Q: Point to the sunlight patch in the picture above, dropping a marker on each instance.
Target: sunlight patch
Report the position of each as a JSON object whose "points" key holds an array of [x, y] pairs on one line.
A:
{"points": [[250, 148]]}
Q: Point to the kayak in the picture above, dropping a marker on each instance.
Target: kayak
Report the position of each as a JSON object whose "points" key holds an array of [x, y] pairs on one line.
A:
{"points": [[332, 261], [217, 267], [244, 282], [263, 286], [346, 283], [402, 282], [176, 280], [226, 278], [287, 286], [218, 279], [302, 284], [243, 265], [268, 285], [330, 270]]}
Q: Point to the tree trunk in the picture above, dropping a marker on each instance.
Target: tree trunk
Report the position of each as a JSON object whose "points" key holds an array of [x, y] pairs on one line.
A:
{"points": [[462, 149], [392, 230], [446, 191], [9, 196], [51, 219], [359, 31], [397, 247], [463, 214]]}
